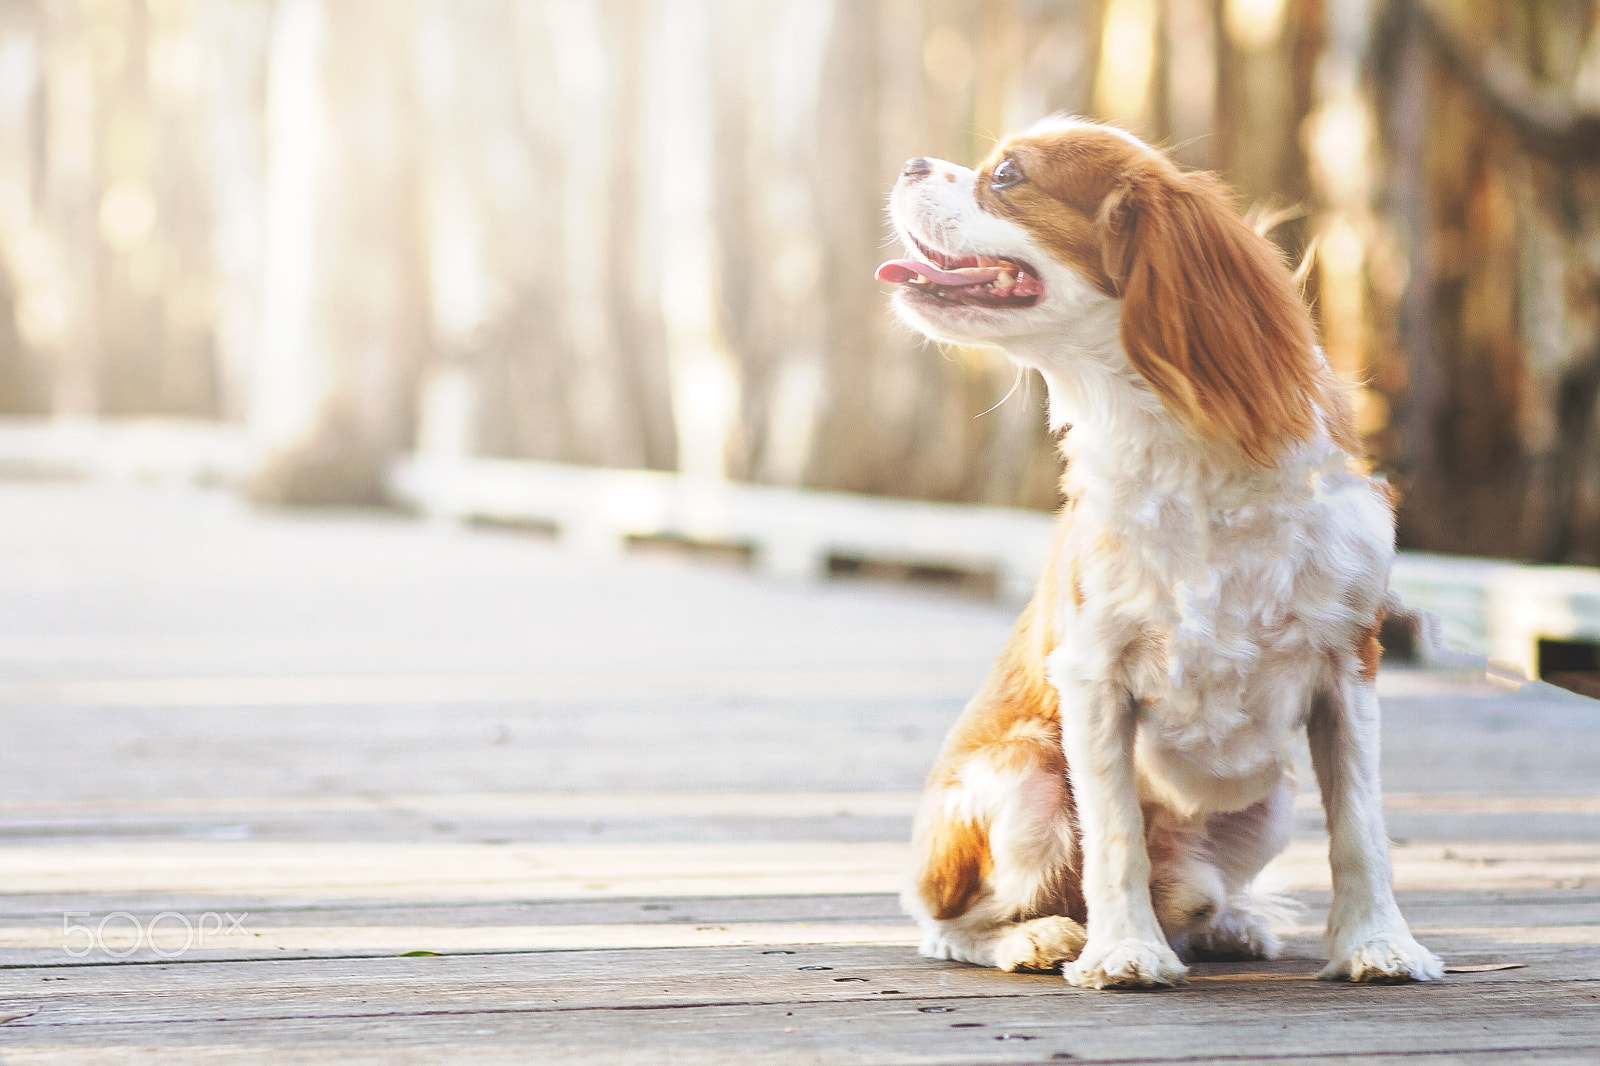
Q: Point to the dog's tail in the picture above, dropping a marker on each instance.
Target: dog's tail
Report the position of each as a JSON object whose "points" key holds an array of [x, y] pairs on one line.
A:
{"points": [[1273, 904], [1411, 635]]}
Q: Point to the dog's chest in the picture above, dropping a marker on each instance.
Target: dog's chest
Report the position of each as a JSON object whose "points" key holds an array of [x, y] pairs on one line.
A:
{"points": [[1219, 611], [1226, 588]]}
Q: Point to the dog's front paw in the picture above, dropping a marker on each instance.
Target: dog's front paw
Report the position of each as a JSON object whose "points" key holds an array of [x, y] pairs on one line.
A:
{"points": [[1126, 964], [1388, 959], [1041, 945]]}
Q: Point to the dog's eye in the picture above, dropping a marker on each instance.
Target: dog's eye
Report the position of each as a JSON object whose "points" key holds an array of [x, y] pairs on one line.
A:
{"points": [[1006, 175]]}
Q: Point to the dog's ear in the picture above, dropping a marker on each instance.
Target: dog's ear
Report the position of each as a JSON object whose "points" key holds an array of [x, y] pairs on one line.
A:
{"points": [[1116, 224], [1210, 314]]}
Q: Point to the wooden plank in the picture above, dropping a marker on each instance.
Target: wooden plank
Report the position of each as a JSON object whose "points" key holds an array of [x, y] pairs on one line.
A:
{"points": [[567, 981], [659, 806], [669, 805], [169, 935], [717, 1005], [1430, 746], [1430, 909], [1493, 911], [687, 818], [20, 909], [34, 931], [857, 682], [550, 871], [1480, 923], [466, 871]]}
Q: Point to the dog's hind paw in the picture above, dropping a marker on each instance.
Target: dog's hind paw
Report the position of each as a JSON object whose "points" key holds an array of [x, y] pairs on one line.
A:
{"points": [[1040, 945], [1234, 934], [1386, 959], [1126, 964]]}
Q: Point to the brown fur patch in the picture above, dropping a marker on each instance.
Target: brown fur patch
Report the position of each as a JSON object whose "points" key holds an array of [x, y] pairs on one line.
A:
{"points": [[955, 861], [1067, 179], [1013, 725], [1370, 650], [1015, 719], [1211, 317]]}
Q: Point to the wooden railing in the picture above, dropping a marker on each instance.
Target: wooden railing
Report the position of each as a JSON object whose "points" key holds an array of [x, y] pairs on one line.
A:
{"points": [[1499, 610]]}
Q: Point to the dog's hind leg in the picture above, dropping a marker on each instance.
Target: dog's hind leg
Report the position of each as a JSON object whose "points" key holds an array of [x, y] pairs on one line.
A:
{"points": [[995, 877], [1186, 888], [1240, 844], [994, 882]]}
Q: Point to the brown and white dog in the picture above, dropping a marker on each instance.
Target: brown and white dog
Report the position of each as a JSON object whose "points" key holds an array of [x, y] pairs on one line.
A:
{"points": [[1219, 576]]}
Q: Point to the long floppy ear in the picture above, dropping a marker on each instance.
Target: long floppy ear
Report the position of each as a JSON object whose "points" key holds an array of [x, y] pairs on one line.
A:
{"points": [[1210, 314]]}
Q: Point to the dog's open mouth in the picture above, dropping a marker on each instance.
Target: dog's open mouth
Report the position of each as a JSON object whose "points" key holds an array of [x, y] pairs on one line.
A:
{"points": [[980, 280]]}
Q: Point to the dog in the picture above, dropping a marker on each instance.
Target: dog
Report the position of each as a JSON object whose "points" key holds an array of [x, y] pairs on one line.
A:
{"points": [[1218, 580]]}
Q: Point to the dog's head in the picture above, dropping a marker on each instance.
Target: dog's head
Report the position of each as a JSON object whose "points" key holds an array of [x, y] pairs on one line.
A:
{"points": [[1079, 240]]}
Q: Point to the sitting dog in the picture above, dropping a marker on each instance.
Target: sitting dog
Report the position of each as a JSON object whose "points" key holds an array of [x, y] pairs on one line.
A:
{"points": [[1218, 580]]}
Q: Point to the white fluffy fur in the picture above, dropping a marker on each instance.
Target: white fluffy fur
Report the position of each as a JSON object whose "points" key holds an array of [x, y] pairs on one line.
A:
{"points": [[1216, 551]]}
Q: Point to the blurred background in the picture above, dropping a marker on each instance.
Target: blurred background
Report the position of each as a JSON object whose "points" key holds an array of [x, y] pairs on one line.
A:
{"points": [[641, 233]]}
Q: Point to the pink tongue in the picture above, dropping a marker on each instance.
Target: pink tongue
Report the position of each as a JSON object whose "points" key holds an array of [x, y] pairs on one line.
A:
{"points": [[900, 271]]}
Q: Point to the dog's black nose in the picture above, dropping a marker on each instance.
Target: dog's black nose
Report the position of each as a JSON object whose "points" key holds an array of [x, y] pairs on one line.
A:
{"points": [[916, 168]]}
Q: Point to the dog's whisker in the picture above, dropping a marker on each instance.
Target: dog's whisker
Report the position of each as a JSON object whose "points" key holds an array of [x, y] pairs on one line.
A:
{"points": [[1012, 391]]}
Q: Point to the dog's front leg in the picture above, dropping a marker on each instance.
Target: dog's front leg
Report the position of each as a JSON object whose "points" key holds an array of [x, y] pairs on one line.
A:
{"points": [[1126, 948], [1367, 938]]}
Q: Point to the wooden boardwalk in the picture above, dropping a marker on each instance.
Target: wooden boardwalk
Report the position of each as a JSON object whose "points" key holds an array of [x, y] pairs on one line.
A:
{"points": [[355, 789]]}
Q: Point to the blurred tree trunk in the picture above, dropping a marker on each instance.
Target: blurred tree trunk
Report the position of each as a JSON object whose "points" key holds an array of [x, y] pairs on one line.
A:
{"points": [[510, 161], [766, 76], [20, 391], [1497, 216], [944, 78], [69, 309], [491, 209], [231, 108], [350, 273], [617, 391], [24, 373], [545, 287], [848, 453], [1032, 60], [1266, 65], [632, 280], [155, 217]]}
